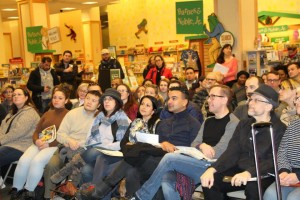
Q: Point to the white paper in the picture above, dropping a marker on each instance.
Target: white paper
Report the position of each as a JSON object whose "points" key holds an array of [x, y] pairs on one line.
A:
{"points": [[220, 68], [147, 138], [193, 152]]}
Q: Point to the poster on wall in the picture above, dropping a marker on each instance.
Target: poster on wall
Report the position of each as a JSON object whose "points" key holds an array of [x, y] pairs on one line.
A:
{"points": [[54, 35], [189, 17], [37, 39]]}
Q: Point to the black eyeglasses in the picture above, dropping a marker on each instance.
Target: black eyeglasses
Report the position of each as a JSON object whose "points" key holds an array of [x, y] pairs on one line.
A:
{"points": [[257, 100]]}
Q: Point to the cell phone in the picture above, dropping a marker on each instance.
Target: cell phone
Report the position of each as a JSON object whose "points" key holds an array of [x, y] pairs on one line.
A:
{"points": [[227, 179]]}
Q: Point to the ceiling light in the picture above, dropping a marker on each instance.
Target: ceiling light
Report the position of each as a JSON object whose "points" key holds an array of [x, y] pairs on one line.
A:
{"points": [[68, 9], [13, 18], [90, 2], [9, 9]]}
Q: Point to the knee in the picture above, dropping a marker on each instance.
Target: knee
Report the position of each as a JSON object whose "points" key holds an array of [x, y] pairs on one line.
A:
{"points": [[270, 193], [169, 179]]}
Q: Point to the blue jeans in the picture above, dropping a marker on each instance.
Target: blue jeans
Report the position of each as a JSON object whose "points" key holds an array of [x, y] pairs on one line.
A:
{"points": [[8, 155], [288, 193], [172, 162]]}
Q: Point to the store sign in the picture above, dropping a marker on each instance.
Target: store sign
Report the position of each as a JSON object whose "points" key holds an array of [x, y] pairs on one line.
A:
{"points": [[54, 35], [189, 17], [280, 39], [37, 39], [226, 38], [272, 29]]}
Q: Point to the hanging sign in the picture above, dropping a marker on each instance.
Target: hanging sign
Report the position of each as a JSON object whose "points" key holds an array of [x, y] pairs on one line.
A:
{"points": [[189, 17], [226, 38], [280, 39], [272, 29]]}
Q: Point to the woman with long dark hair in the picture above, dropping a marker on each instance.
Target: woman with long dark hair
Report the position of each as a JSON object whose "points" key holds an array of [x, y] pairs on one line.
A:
{"points": [[130, 107], [31, 165], [17, 127], [146, 122], [227, 59], [151, 64]]}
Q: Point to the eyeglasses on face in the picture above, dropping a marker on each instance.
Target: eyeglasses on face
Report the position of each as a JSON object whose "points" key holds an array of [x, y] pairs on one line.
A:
{"points": [[257, 100], [108, 98], [213, 96], [297, 99]]}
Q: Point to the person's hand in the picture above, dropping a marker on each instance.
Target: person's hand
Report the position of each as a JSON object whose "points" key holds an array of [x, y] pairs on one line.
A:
{"points": [[240, 178], [39, 143], [69, 69], [73, 144], [46, 88], [207, 150], [289, 179], [168, 147], [207, 179], [129, 143], [44, 146]]}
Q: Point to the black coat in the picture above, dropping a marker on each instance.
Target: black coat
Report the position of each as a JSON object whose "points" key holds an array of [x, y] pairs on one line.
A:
{"points": [[34, 84]]}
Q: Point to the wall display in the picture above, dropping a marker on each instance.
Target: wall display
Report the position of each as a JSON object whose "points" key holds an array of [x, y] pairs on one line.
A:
{"points": [[72, 33], [112, 51], [37, 39], [54, 35], [189, 17], [141, 28], [190, 58], [226, 38]]}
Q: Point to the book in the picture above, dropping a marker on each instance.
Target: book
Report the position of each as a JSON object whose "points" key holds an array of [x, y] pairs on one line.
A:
{"points": [[193, 152], [48, 134]]}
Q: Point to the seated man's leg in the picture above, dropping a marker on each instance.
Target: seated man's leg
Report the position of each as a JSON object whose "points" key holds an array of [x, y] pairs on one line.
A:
{"points": [[220, 188], [168, 185], [53, 166], [133, 181], [251, 189], [172, 162]]}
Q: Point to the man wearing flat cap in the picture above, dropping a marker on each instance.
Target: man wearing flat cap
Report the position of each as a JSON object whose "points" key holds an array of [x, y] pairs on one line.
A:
{"points": [[238, 159], [105, 69], [292, 56]]}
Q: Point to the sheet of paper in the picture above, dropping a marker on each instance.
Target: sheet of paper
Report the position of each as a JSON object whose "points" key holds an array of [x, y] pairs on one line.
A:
{"points": [[147, 138], [220, 68]]}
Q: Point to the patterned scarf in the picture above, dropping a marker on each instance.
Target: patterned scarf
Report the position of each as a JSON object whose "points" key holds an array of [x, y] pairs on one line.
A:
{"points": [[122, 121]]}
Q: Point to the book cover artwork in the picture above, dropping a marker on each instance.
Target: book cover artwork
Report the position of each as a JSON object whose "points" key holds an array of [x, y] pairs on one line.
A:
{"points": [[48, 134]]}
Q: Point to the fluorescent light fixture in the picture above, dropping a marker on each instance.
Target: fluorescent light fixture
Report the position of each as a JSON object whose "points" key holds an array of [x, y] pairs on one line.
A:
{"points": [[89, 2], [66, 9], [9, 9], [13, 18]]}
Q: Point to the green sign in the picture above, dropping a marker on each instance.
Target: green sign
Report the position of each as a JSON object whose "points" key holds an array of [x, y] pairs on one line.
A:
{"points": [[189, 17], [37, 39], [272, 29], [278, 39]]}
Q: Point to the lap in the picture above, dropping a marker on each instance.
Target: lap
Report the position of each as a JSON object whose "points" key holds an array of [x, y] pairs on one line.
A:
{"points": [[9, 155]]}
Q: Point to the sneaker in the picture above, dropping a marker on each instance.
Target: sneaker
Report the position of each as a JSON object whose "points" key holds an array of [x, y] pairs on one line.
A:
{"points": [[85, 194], [28, 195]]}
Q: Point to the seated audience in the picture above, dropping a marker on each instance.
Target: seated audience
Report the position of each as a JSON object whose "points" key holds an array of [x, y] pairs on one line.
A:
{"points": [[238, 159], [31, 165], [273, 80], [139, 93], [238, 87], [94, 87], [5, 106], [294, 71], [190, 77], [163, 88], [288, 161], [116, 82], [152, 90], [283, 72], [17, 127], [147, 82]]}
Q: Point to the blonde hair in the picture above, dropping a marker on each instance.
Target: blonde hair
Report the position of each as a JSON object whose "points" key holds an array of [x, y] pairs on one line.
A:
{"points": [[290, 84]]}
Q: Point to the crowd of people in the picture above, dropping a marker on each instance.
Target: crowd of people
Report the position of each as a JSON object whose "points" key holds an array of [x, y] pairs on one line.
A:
{"points": [[92, 121]]}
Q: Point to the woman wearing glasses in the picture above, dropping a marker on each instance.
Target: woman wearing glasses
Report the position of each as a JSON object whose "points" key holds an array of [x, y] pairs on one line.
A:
{"points": [[288, 161], [107, 131], [17, 127], [159, 71], [287, 94], [130, 107]]}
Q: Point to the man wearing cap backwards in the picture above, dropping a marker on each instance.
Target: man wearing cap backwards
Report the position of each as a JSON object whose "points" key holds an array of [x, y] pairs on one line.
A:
{"points": [[292, 56], [238, 159], [108, 63]]}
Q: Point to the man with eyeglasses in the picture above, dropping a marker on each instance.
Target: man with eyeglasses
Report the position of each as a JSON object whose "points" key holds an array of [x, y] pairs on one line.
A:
{"points": [[273, 80], [252, 83], [41, 82], [292, 56], [211, 141], [237, 162]]}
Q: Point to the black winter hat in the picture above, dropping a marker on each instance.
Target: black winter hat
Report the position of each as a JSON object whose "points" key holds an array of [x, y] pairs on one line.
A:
{"points": [[269, 93], [112, 93]]}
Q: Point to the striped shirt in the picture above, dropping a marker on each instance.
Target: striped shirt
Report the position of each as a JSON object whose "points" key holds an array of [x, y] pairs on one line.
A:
{"points": [[288, 153]]}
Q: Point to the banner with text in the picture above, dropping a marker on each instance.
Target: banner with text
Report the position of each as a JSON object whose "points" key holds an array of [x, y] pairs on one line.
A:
{"points": [[189, 17]]}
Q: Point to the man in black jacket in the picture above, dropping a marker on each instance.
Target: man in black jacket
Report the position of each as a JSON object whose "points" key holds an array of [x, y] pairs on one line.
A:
{"points": [[238, 159], [41, 82], [106, 66]]}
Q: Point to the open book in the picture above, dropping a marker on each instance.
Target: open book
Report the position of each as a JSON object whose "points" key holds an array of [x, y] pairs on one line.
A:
{"points": [[48, 134], [193, 152]]}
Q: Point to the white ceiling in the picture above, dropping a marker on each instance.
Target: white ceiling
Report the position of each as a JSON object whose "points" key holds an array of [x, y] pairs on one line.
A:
{"points": [[54, 6]]}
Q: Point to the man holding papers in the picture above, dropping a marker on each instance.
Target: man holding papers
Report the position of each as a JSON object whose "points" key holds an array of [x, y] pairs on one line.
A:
{"points": [[212, 140]]}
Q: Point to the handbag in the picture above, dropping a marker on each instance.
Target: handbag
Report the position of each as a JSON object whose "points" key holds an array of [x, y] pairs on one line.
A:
{"points": [[66, 190]]}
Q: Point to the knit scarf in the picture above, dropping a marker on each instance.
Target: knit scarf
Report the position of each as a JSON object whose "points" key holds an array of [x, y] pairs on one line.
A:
{"points": [[122, 121]]}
